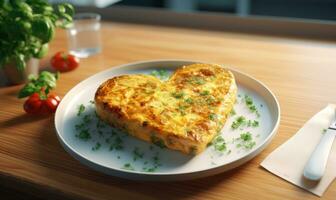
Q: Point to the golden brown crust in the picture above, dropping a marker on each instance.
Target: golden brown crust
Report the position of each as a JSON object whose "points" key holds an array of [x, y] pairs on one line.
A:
{"points": [[184, 113]]}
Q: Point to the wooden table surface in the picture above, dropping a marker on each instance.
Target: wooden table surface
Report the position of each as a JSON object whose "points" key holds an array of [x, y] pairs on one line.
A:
{"points": [[302, 74]]}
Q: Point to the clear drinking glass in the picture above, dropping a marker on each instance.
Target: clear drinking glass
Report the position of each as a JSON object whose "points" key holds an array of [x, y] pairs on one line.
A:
{"points": [[84, 36]]}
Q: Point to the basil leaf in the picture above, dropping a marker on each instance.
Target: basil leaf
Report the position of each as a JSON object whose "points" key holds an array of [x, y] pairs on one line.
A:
{"points": [[28, 90], [42, 51], [15, 3], [66, 8], [43, 29], [26, 26], [20, 62], [32, 77], [67, 18], [61, 8], [45, 80]]}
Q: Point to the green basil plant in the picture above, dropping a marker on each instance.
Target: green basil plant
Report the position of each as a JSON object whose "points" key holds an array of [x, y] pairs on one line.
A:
{"points": [[26, 28]]}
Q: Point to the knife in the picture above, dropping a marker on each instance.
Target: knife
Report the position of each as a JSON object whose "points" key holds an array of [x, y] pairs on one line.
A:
{"points": [[317, 162]]}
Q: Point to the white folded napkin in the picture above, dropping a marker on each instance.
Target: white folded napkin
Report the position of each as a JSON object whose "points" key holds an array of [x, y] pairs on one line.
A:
{"points": [[288, 160]]}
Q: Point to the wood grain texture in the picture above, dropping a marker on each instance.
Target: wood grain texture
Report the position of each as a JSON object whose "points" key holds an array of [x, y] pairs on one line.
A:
{"points": [[300, 72]]}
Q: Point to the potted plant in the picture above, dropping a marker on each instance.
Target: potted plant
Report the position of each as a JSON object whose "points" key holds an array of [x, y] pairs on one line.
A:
{"points": [[26, 28]]}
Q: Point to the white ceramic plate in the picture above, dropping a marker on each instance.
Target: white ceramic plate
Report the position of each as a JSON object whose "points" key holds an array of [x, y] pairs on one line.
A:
{"points": [[118, 154]]}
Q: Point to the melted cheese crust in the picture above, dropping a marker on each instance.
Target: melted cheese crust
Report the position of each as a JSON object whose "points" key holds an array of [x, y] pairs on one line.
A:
{"points": [[184, 113]]}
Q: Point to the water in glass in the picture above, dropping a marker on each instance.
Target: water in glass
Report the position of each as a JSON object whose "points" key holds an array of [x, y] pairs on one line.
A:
{"points": [[84, 36]]}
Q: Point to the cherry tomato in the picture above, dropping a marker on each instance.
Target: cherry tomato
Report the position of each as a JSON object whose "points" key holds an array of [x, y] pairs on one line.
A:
{"points": [[51, 103], [44, 109], [64, 62], [33, 104], [57, 98]]}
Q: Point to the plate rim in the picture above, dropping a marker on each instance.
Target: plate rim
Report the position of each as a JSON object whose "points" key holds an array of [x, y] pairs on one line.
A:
{"points": [[137, 174]]}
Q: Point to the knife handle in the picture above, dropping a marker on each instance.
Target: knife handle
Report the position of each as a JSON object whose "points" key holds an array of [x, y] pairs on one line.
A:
{"points": [[317, 162]]}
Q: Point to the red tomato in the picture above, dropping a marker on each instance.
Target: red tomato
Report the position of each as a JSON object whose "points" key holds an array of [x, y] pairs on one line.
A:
{"points": [[51, 103], [64, 62], [44, 109], [35, 105], [57, 98]]}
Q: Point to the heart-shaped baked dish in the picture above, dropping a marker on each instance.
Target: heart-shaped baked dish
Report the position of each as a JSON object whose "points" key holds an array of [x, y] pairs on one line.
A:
{"points": [[183, 113]]}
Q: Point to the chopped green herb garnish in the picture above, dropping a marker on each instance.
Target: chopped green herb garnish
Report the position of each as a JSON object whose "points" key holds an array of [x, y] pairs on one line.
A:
{"points": [[193, 150], [81, 109], [154, 73], [117, 144], [96, 147], [151, 169], [204, 93], [241, 120], [249, 145], [219, 144], [213, 116], [87, 119], [248, 100], [161, 74], [128, 166], [210, 100], [182, 109], [80, 126], [156, 164], [249, 123], [324, 131], [189, 100], [246, 141], [137, 154], [178, 95], [220, 147], [158, 141], [249, 103], [218, 139], [196, 80], [253, 108], [100, 124], [84, 135], [255, 123], [156, 159], [91, 101], [233, 112], [247, 136]]}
